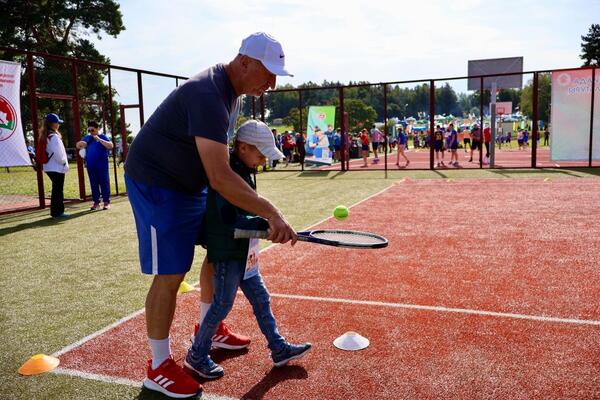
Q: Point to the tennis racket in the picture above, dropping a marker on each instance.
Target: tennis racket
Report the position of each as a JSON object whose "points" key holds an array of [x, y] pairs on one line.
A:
{"points": [[329, 237]]}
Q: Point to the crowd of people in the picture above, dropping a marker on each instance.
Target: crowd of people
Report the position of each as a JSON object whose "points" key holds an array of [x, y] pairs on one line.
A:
{"points": [[446, 138]]}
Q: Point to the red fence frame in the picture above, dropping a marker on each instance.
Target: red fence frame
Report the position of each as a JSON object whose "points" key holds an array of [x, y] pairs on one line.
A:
{"points": [[344, 165], [76, 101]]}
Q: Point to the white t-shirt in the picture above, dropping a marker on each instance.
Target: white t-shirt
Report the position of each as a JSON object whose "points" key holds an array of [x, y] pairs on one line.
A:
{"points": [[57, 155], [376, 135]]}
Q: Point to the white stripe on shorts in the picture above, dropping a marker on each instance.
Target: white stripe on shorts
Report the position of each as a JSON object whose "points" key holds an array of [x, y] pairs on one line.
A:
{"points": [[154, 250]]}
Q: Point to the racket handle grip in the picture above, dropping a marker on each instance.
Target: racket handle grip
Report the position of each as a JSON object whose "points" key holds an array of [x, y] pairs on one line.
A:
{"points": [[249, 234]]}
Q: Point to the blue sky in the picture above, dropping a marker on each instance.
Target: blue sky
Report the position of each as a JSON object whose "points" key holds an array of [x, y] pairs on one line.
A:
{"points": [[345, 40]]}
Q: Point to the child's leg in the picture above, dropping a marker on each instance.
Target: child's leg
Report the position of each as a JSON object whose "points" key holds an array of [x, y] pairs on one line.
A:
{"points": [[256, 292], [206, 288], [226, 281]]}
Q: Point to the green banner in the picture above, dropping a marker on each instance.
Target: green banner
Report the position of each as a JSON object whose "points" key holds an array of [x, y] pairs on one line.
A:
{"points": [[318, 146]]}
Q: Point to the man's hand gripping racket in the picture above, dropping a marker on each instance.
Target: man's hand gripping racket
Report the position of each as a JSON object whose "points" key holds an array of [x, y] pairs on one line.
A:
{"points": [[329, 237]]}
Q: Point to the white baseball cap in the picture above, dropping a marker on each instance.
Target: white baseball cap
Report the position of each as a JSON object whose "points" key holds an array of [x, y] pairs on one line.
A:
{"points": [[267, 50], [257, 133]]}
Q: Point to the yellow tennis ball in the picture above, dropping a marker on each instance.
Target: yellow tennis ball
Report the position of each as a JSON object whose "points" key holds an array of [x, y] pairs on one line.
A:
{"points": [[341, 213]]}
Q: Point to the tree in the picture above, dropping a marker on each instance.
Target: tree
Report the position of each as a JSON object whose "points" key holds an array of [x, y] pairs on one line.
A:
{"points": [[293, 118], [544, 93], [360, 115], [446, 100], [590, 47], [61, 28]]}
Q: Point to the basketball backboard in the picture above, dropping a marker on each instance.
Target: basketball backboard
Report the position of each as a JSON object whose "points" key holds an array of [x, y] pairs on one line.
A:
{"points": [[496, 66]]}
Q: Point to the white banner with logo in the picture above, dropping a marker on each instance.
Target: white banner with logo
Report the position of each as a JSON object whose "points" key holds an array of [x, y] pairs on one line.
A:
{"points": [[13, 150], [570, 120]]}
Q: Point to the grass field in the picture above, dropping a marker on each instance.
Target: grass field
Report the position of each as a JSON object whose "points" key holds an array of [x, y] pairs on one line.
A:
{"points": [[61, 281], [23, 181]]}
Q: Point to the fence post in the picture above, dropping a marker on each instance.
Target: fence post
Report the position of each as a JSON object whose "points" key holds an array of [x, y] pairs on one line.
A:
{"points": [[431, 121], [77, 129], [344, 138], [534, 129], [34, 125], [482, 135], [140, 98], [112, 131], [592, 115], [385, 130]]}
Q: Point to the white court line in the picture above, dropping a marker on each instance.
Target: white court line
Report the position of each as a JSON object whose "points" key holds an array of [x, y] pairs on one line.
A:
{"points": [[441, 309], [97, 333], [66, 371], [121, 381]]}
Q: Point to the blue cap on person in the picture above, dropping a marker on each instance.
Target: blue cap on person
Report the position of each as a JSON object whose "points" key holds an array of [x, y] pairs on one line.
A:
{"points": [[257, 133], [53, 118], [267, 50]]}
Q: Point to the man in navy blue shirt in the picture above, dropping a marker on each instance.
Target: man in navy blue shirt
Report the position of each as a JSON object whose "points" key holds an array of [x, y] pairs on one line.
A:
{"points": [[96, 147], [180, 150]]}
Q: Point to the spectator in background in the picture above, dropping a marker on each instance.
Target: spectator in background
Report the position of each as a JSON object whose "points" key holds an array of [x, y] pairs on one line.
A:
{"points": [[467, 139], [329, 135], [487, 138], [57, 165], [300, 147], [96, 161], [438, 145], [337, 144], [546, 136], [416, 143], [288, 147], [508, 138], [520, 139], [376, 139], [31, 152], [475, 140], [277, 144], [525, 138], [402, 142], [453, 145], [364, 140]]}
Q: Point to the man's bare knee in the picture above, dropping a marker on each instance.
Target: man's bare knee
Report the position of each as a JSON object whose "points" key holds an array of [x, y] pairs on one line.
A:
{"points": [[167, 283]]}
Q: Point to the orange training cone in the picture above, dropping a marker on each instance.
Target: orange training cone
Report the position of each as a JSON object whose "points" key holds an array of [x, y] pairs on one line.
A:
{"points": [[39, 364]]}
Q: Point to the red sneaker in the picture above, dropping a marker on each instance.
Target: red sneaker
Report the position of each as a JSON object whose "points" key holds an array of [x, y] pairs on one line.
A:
{"points": [[224, 338], [171, 380]]}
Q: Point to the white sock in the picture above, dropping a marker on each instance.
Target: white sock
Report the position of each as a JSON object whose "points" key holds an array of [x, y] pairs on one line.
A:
{"points": [[204, 307], [161, 350]]}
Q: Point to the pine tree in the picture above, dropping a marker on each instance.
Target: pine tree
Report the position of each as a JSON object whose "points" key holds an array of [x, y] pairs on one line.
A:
{"points": [[590, 46]]}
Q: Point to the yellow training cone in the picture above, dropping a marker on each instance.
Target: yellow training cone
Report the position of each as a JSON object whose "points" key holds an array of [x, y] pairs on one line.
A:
{"points": [[185, 287], [547, 180], [39, 364]]}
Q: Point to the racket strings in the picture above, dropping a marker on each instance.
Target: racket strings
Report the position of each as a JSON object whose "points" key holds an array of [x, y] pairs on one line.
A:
{"points": [[348, 237]]}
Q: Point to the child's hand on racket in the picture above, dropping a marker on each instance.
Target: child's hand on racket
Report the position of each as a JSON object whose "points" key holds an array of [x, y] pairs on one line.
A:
{"points": [[280, 230]]}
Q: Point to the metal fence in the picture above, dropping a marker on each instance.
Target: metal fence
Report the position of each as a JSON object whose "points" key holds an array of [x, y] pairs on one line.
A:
{"points": [[421, 153]]}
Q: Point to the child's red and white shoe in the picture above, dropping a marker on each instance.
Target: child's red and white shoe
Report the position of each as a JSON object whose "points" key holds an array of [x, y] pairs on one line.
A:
{"points": [[225, 338], [171, 380]]}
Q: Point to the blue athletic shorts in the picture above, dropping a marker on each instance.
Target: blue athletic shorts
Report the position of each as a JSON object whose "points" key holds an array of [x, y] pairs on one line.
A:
{"points": [[169, 224]]}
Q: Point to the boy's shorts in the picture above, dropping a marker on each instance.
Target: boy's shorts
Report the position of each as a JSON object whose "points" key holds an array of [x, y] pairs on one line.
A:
{"points": [[168, 225]]}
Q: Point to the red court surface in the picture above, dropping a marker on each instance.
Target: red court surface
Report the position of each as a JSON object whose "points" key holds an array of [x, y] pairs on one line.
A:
{"points": [[505, 158], [489, 289]]}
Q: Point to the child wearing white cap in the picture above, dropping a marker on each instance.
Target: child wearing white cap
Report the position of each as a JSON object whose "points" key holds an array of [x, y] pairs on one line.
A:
{"points": [[236, 260]]}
